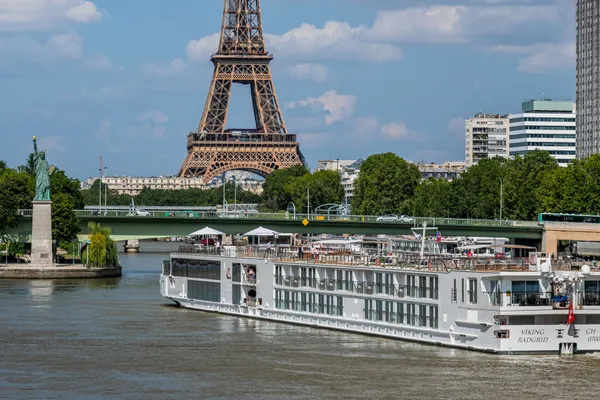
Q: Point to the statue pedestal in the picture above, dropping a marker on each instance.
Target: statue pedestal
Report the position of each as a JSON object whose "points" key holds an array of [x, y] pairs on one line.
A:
{"points": [[41, 234]]}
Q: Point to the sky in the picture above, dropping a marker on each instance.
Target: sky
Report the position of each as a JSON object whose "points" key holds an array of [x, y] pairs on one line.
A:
{"points": [[127, 79]]}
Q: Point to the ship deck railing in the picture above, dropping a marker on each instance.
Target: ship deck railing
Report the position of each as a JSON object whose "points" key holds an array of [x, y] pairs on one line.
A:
{"points": [[403, 260]]}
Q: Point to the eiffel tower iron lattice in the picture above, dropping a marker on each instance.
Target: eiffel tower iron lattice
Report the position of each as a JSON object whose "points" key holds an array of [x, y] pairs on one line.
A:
{"points": [[241, 58]]}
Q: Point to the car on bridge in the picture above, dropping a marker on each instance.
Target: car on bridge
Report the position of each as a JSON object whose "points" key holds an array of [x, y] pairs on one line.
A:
{"points": [[142, 213], [395, 218]]}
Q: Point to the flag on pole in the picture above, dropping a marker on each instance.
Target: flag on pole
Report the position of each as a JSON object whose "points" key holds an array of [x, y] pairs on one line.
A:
{"points": [[571, 317], [438, 236]]}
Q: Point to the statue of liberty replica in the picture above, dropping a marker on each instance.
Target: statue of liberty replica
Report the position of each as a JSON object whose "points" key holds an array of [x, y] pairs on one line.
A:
{"points": [[41, 233]]}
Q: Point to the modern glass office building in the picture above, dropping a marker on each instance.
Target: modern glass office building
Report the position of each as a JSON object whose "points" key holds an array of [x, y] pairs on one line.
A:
{"points": [[588, 78]]}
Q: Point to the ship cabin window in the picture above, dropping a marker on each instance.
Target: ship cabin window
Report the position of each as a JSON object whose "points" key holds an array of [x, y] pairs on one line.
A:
{"points": [[462, 291], [433, 287], [527, 293], [250, 274], [199, 269], [592, 293], [422, 287], [473, 291], [207, 291], [422, 315], [236, 273], [502, 334], [453, 294]]}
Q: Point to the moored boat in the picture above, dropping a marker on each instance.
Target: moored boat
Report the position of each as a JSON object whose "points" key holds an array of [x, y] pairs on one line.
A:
{"points": [[533, 304]]}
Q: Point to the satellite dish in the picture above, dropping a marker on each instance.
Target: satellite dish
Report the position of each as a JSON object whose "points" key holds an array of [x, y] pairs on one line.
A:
{"points": [[585, 270]]}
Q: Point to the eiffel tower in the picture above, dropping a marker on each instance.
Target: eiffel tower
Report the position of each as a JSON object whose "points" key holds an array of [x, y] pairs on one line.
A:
{"points": [[241, 58]]}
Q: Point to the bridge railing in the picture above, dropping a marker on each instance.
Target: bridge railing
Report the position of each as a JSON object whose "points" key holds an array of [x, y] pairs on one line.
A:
{"points": [[415, 222]]}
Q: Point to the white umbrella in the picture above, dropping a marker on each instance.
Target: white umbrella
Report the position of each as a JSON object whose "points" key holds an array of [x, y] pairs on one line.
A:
{"points": [[206, 232], [260, 231]]}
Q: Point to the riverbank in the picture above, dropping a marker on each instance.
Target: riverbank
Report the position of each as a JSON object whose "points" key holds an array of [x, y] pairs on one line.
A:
{"points": [[58, 271]]}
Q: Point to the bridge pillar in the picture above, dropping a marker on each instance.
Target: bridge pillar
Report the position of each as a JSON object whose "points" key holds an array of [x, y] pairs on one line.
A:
{"points": [[132, 246]]}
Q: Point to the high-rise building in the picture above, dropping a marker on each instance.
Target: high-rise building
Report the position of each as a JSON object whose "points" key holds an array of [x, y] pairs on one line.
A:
{"points": [[588, 78], [544, 125], [486, 136]]}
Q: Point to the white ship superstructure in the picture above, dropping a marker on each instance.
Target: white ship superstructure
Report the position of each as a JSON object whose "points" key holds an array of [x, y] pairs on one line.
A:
{"points": [[507, 306]]}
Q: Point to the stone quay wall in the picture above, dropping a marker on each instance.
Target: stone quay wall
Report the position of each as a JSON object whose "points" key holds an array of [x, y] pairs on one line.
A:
{"points": [[57, 272]]}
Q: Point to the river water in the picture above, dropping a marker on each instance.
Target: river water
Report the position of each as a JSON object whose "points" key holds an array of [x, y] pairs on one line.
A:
{"points": [[119, 339]]}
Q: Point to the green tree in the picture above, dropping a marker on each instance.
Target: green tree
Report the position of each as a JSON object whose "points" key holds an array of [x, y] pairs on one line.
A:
{"points": [[274, 187], [3, 166], [102, 250], [574, 189], [325, 187], [522, 178], [477, 191], [61, 183], [433, 198], [65, 224], [29, 166], [385, 185], [16, 192]]}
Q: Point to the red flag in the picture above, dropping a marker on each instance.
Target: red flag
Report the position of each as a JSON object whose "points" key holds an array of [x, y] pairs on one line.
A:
{"points": [[571, 317]]}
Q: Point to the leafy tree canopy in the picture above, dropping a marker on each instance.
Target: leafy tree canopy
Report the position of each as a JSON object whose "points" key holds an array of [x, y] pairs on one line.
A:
{"points": [[385, 185]]}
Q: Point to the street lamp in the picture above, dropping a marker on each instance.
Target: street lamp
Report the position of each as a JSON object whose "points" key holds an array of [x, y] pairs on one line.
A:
{"points": [[234, 193], [500, 179], [105, 193], [224, 183]]}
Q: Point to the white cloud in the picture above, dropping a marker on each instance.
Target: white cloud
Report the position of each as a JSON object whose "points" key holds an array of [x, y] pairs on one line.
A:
{"points": [[57, 48], [68, 46], [338, 106], [99, 62], [540, 58], [35, 15], [395, 131], [550, 57], [200, 50], [174, 67], [459, 24], [336, 40], [473, 22], [155, 116], [310, 72]]}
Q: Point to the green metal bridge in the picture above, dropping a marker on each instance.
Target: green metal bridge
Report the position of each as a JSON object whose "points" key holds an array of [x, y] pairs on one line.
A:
{"points": [[159, 224]]}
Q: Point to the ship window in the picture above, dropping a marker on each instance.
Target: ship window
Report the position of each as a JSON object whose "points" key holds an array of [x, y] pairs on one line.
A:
{"points": [[433, 317], [400, 313], [454, 295], [207, 291], [502, 334], [236, 295], [340, 306], [433, 287], [236, 273], [422, 315], [462, 291], [473, 291]]}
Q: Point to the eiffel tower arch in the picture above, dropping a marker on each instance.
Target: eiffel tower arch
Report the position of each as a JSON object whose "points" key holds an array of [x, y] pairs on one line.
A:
{"points": [[243, 59]]}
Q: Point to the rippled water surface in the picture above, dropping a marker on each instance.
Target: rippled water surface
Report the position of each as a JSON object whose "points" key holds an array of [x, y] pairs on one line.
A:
{"points": [[118, 339]]}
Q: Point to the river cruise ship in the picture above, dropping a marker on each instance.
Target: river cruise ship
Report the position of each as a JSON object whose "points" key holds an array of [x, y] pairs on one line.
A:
{"points": [[534, 304]]}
